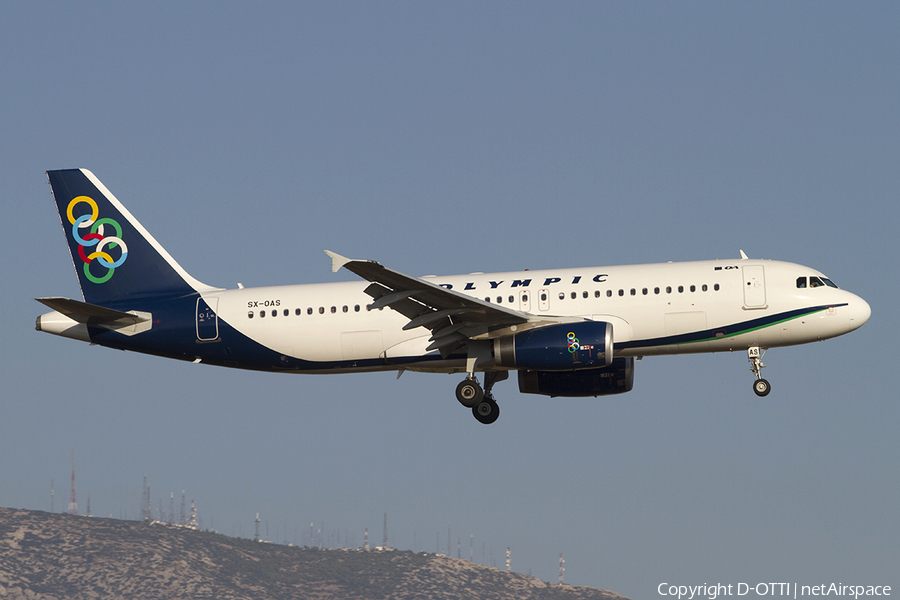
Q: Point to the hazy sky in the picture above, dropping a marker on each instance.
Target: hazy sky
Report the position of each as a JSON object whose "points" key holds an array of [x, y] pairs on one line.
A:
{"points": [[442, 138]]}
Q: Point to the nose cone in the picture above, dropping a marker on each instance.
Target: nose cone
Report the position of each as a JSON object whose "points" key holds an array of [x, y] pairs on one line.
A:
{"points": [[860, 311]]}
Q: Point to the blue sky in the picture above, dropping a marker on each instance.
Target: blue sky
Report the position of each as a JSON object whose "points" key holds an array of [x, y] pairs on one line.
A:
{"points": [[442, 138]]}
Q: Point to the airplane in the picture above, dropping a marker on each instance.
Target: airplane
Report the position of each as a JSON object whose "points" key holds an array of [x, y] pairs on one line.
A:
{"points": [[565, 332]]}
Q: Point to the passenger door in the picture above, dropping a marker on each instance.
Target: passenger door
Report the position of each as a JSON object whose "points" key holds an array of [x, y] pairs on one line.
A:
{"points": [[754, 286]]}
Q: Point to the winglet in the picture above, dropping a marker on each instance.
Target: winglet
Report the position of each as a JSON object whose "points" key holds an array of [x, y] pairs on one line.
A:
{"points": [[743, 256], [337, 261]]}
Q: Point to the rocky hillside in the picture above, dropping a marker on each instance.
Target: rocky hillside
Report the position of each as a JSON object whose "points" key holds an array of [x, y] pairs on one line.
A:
{"points": [[44, 556]]}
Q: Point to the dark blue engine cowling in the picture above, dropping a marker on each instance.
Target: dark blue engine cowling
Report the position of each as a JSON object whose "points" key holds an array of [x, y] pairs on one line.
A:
{"points": [[617, 378], [563, 347]]}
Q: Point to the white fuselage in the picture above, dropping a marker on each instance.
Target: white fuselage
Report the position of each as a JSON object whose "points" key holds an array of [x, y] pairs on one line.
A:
{"points": [[668, 308]]}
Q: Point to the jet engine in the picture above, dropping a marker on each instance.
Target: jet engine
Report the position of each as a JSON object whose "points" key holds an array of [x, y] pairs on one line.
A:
{"points": [[617, 378], [563, 347]]}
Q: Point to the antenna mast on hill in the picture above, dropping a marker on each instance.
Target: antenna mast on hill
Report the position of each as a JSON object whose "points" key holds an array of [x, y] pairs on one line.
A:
{"points": [[256, 537], [562, 568], [507, 559], [384, 540], [147, 512], [193, 522], [183, 520], [52, 493], [73, 504], [366, 542]]}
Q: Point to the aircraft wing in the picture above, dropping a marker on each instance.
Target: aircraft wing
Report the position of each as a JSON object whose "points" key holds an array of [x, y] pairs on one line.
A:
{"points": [[452, 317]]}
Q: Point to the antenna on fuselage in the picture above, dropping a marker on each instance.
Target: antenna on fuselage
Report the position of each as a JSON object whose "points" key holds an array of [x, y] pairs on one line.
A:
{"points": [[744, 256]]}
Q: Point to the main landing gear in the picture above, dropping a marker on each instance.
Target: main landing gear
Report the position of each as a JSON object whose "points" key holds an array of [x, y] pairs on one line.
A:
{"points": [[754, 355], [481, 401]]}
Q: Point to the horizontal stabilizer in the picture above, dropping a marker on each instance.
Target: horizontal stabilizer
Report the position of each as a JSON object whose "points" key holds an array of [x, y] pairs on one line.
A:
{"points": [[82, 312]]}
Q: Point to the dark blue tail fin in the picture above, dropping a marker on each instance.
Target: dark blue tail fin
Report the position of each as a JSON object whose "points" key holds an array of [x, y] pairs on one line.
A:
{"points": [[114, 256]]}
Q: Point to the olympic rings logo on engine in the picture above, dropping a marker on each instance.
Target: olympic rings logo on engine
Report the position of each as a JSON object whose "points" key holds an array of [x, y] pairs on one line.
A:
{"points": [[573, 343], [96, 239]]}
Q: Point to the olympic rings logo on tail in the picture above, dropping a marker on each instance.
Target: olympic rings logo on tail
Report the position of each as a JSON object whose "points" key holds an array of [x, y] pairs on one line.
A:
{"points": [[573, 343], [96, 238]]}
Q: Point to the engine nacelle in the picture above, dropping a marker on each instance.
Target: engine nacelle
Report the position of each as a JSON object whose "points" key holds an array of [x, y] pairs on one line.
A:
{"points": [[563, 347], [617, 378]]}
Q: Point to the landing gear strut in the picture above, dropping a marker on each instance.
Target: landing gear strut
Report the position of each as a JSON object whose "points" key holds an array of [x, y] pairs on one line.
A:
{"points": [[754, 355], [470, 394]]}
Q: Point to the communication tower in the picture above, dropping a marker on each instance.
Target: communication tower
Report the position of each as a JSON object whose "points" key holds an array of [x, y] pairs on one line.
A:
{"points": [[73, 504], [507, 559], [562, 568], [183, 520], [366, 542], [52, 493], [146, 511], [193, 522], [256, 537], [384, 540]]}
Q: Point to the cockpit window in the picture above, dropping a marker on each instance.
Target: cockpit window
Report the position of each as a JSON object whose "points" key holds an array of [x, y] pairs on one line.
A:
{"points": [[829, 283], [801, 282], [815, 282]]}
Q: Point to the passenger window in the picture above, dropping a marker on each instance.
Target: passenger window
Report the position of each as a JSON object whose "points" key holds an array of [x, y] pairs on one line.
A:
{"points": [[633, 292], [680, 289], [644, 291], [562, 295], [704, 288], [487, 299], [656, 290], [356, 308], [499, 299], [309, 310], [693, 288], [250, 315], [596, 293], [574, 295], [297, 311], [716, 287], [609, 293], [543, 297], [262, 314], [668, 289], [801, 282], [621, 292], [512, 299], [286, 312], [346, 308], [584, 294], [321, 310], [274, 313], [333, 309]]}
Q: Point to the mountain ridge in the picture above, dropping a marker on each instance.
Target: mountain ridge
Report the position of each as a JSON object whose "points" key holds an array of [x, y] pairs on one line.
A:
{"points": [[45, 556]]}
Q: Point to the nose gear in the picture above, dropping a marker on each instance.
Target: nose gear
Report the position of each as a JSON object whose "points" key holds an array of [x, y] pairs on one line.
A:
{"points": [[754, 355]]}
